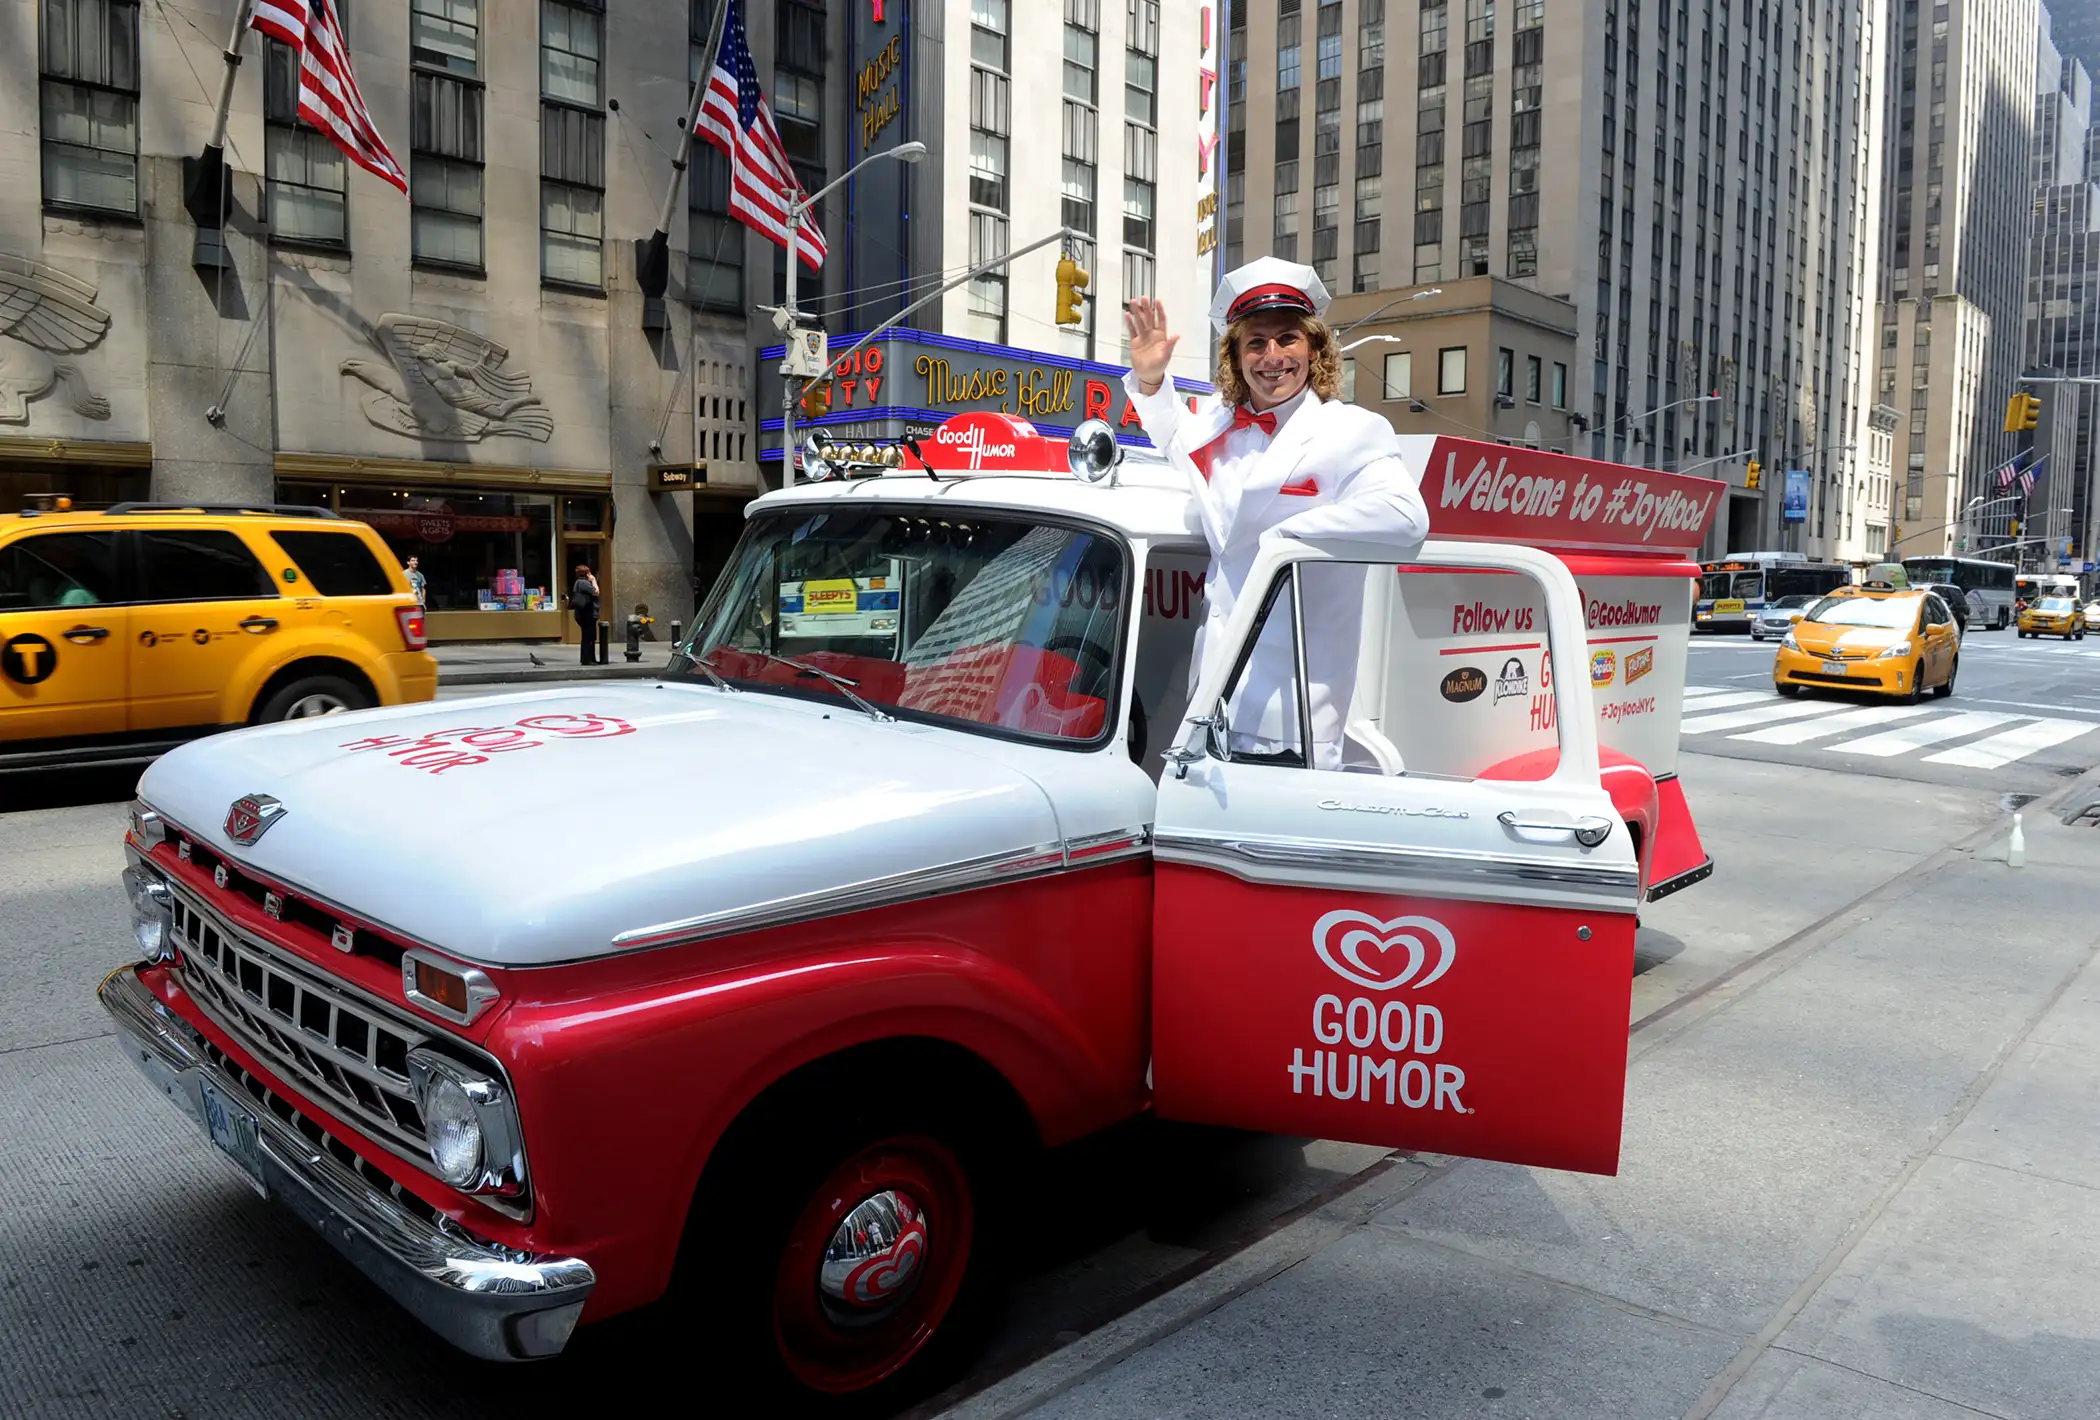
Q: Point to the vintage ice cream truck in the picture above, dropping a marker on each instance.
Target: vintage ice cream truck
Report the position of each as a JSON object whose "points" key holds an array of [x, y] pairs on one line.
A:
{"points": [[838, 931]]}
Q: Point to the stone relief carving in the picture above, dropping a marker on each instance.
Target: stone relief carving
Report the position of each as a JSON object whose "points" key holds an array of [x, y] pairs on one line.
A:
{"points": [[44, 313], [441, 381]]}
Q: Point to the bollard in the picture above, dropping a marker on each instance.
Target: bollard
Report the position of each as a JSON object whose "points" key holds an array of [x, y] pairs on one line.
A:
{"points": [[604, 643], [676, 627], [2016, 851], [634, 637]]}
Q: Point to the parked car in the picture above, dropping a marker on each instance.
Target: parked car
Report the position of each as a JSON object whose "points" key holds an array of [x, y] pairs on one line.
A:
{"points": [[1778, 617], [128, 630]]}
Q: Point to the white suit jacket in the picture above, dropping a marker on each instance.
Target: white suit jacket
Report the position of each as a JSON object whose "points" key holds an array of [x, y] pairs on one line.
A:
{"points": [[1346, 479]]}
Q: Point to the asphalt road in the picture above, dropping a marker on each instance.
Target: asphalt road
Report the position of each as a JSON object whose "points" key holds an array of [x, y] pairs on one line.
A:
{"points": [[140, 1276]]}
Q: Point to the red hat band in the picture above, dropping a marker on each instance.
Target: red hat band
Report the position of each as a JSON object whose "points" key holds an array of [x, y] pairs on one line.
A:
{"points": [[1273, 297]]}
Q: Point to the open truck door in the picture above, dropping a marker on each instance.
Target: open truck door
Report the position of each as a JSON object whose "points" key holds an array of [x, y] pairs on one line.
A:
{"points": [[1396, 949]]}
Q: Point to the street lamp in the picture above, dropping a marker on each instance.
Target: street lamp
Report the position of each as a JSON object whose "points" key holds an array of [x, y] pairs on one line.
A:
{"points": [[1372, 340], [1421, 295], [798, 205]]}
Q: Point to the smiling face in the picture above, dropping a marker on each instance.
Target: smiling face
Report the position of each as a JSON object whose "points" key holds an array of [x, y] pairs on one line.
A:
{"points": [[1275, 355]]}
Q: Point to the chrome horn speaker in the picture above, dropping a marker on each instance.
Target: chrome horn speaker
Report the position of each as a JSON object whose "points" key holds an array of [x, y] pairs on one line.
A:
{"points": [[1094, 453], [818, 456]]}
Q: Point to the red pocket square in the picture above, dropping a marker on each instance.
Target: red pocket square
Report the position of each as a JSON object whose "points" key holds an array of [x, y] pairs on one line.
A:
{"points": [[1307, 487]]}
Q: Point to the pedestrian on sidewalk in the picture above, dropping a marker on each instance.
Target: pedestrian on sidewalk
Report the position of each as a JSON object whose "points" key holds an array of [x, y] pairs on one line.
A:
{"points": [[1278, 427], [417, 582], [583, 605]]}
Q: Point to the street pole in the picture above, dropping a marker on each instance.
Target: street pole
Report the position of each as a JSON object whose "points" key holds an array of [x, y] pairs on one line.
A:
{"points": [[204, 177], [787, 381]]}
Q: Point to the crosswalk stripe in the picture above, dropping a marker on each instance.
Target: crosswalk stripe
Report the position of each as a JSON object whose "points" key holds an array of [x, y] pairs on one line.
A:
{"points": [[1693, 692], [2009, 745], [1772, 709], [1860, 719], [1730, 697], [1903, 738]]}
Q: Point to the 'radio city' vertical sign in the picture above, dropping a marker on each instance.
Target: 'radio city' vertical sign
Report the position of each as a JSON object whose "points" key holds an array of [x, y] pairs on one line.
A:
{"points": [[877, 215]]}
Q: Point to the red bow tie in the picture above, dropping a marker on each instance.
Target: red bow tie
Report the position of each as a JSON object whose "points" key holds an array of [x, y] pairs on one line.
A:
{"points": [[1242, 416]]}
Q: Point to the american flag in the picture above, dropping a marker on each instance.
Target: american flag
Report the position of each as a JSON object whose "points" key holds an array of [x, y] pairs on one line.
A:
{"points": [[2005, 475], [328, 96], [2027, 478], [736, 119]]}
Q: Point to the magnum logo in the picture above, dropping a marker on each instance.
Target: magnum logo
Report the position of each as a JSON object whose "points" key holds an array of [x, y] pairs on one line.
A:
{"points": [[1639, 663], [1465, 683]]}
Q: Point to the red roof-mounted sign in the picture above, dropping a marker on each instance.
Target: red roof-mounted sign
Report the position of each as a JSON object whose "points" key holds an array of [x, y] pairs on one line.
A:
{"points": [[992, 443], [1502, 494]]}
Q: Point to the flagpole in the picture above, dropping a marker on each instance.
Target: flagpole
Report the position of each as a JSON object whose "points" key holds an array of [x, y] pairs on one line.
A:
{"points": [[203, 195], [652, 256]]}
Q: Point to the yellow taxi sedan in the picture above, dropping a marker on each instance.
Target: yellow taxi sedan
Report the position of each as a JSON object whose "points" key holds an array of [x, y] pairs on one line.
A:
{"points": [[2053, 616], [1897, 643]]}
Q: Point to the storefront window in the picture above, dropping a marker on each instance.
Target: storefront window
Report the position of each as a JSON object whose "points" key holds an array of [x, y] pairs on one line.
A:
{"points": [[491, 552]]}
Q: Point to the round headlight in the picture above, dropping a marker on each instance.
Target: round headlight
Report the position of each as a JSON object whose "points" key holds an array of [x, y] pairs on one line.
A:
{"points": [[152, 914], [452, 1126]]}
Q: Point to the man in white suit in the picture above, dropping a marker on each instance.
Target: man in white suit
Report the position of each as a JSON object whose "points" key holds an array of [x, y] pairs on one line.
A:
{"points": [[1278, 454]]}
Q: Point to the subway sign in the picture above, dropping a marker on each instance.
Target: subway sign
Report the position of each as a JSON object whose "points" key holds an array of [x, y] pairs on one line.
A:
{"points": [[908, 382]]}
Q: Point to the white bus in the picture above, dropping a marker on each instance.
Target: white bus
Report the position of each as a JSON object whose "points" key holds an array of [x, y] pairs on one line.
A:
{"points": [[1989, 585]]}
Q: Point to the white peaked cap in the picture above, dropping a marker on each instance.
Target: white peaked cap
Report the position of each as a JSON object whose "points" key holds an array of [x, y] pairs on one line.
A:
{"points": [[1268, 283]]}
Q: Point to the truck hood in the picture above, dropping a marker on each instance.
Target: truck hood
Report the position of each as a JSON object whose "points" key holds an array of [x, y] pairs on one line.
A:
{"points": [[534, 828]]}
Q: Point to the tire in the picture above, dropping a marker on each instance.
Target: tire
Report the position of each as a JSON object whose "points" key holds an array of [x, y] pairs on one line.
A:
{"points": [[819, 1337], [1917, 684], [1941, 692], [1786, 688], [310, 696]]}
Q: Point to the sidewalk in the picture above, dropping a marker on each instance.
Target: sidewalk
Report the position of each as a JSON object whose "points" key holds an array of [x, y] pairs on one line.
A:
{"points": [[1863, 1179], [523, 662]]}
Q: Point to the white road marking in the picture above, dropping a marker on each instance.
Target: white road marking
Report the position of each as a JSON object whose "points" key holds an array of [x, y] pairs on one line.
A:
{"points": [[2029, 705], [1862, 718], [1730, 697], [1773, 709], [2009, 745], [1890, 743]]}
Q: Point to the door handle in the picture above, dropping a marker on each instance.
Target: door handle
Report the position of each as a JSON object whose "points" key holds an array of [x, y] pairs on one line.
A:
{"points": [[1589, 832], [81, 635], [259, 624]]}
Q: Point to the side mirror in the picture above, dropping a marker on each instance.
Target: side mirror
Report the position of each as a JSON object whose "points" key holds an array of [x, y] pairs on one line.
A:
{"points": [[1211, 744]]}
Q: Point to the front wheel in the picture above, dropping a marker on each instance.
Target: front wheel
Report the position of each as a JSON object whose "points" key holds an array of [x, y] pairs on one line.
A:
{"points": [[310, 696], [1946, 689], [1786, 688], [1917, 684]]}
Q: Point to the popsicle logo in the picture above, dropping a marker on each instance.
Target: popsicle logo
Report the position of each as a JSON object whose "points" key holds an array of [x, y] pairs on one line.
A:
{"points": [[1383, 956]]}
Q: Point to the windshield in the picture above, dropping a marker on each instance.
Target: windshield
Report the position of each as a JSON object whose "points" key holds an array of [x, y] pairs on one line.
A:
{"points": [[2056, 604], [1716, 586], [1787, 603], [1007, 625], [1887, 613]]}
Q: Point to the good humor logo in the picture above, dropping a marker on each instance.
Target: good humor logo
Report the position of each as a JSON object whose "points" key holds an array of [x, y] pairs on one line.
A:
{"points": [[1388, 1038]]}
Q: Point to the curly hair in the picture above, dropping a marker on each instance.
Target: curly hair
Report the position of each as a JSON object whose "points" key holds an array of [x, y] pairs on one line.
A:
{"points": [[1324, 376]]}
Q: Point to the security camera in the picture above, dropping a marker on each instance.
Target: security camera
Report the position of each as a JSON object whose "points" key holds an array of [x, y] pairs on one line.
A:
{"points": [[656, 448]]}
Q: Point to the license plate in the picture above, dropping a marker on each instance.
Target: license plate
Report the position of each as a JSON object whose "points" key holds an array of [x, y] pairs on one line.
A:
{"points": [[1833, 668], [234, 1130]]}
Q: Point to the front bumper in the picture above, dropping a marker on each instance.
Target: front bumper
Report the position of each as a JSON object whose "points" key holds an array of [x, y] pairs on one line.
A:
{"points": [[1875, 676], [490, 1302]]}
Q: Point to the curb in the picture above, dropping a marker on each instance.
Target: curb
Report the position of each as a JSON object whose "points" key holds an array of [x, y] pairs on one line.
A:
{"points": [[549, 673]]}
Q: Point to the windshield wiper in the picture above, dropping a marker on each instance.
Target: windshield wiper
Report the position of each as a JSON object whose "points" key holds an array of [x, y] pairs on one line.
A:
{"points": [[707, 668], [843, 684]]}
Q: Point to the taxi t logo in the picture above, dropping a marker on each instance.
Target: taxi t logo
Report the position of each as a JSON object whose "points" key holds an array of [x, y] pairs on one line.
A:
{"points": [[250, 817], [1342, 937]]}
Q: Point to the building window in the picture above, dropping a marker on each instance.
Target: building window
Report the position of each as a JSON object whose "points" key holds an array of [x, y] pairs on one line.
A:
{"points": [[1506, 373], [1287, 53], [988, 170], [1137, 214], [715, 249], [90, 105], [1365, 276], [305, 177], [1560, 385], [1451, 370], [986, 304], [445, 171], [1082, 58], [1400, 375], [1140, 86], [1079, 196], [445, 35], [572, 145], [989, 32]]}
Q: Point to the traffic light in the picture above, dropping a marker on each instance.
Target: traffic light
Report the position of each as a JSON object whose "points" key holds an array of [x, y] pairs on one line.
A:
{"points": [[1071, 290], [1752, 473], [816, 399], [2022, 412], [2015, 528]]}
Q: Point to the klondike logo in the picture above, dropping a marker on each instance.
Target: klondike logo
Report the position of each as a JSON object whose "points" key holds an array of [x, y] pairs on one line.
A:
{"points": [[1465, 683], [1512, 681]]}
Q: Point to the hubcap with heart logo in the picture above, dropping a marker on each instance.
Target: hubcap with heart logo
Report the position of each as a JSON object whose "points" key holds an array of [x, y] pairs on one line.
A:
{"points": [[873, 1260], [1361, 949]]}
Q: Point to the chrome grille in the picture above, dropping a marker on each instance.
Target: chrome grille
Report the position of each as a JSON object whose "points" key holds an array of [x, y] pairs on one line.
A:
{"points": [[350, 1056]]}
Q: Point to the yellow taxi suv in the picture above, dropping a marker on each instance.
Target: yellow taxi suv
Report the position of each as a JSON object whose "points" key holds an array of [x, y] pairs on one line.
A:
{"points": [[128, 630], [1898, 642], [2053, 616]]}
